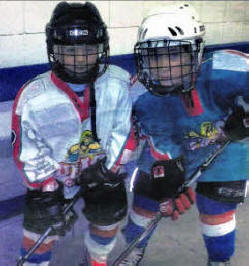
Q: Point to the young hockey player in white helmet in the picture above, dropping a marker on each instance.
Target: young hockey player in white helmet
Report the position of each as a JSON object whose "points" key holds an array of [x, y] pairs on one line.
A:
{"points": [[72, 128], [186, 110]]}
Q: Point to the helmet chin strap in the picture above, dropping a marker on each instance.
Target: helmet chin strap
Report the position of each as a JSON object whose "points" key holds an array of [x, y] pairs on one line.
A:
{"points": [[156, 88], [179, 90], [187, 98]]}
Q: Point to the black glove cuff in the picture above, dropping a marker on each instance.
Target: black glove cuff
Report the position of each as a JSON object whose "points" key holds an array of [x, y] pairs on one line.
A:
{"points": [[168, 176]]}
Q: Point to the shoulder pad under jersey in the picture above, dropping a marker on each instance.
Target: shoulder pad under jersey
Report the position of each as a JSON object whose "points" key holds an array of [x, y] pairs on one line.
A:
{"points": [[231, 60], [30, 90]]}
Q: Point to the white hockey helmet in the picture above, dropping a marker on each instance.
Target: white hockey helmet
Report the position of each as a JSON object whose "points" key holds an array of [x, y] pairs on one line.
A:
{"points": [[171, 26]]}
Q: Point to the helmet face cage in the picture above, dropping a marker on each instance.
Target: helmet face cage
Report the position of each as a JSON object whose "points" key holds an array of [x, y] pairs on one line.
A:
{"points": [[168, 66], [79, 63]]}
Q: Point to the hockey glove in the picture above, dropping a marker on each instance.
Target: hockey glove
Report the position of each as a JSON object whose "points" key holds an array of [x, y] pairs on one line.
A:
{"points": [[98, 174], [237, 125], [45, 209], [168, 178], [104, 194]]}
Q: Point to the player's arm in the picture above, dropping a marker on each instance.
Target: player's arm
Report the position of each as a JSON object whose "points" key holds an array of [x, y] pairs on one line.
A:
{"points": [[237, 124], [122, 139], [231, 74], [32, 154], [44, 200]]}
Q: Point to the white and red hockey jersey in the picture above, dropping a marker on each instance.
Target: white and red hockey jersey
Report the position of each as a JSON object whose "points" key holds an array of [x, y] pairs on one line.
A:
{"points": [[51, 128]]}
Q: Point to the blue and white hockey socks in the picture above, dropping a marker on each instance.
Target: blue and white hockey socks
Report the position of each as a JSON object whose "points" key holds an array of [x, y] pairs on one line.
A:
{"points": [[100, 241], [218, 227], [142, 213], [42, 254]]}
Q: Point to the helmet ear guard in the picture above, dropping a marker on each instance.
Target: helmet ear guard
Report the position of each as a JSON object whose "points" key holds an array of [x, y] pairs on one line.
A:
{"points": [[77, 25], [180, 33]]}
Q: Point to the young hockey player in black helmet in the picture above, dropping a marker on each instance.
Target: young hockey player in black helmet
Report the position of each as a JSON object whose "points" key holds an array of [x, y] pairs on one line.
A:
{"points": [[73, 129], [184, 118]]}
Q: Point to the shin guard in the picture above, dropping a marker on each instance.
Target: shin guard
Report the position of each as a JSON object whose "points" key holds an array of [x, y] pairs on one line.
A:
{"points": [[218, 228], [143, 211]]}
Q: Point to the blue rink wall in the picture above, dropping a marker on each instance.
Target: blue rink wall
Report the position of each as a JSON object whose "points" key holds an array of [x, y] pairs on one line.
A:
{"points": [[11, 80]]}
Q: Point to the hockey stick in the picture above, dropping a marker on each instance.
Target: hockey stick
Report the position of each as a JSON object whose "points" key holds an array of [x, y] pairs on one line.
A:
{"points": [[21, 260], [150, 227]]}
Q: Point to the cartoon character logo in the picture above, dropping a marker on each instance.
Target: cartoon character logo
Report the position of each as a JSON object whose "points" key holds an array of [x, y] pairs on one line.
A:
{"points": [[73, 153], [87, 147], [210, 133]]}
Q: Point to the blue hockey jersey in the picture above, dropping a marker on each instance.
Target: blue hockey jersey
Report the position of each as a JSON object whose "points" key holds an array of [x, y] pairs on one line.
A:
{"points": [[175, 127]]}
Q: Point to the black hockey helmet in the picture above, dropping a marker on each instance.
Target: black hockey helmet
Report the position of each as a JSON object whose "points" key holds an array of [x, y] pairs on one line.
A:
{"points": [[71, 27]]}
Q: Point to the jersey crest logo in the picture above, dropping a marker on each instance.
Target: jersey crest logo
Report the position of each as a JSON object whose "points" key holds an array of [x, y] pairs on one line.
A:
{"points": [[86, 148], [210, 133]]}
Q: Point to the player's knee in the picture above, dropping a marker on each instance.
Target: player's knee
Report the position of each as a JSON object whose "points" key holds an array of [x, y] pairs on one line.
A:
{"points": [[219, 235], [218, 226], [43, 253], [103, 235], [143, 210], [141, 214]]}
